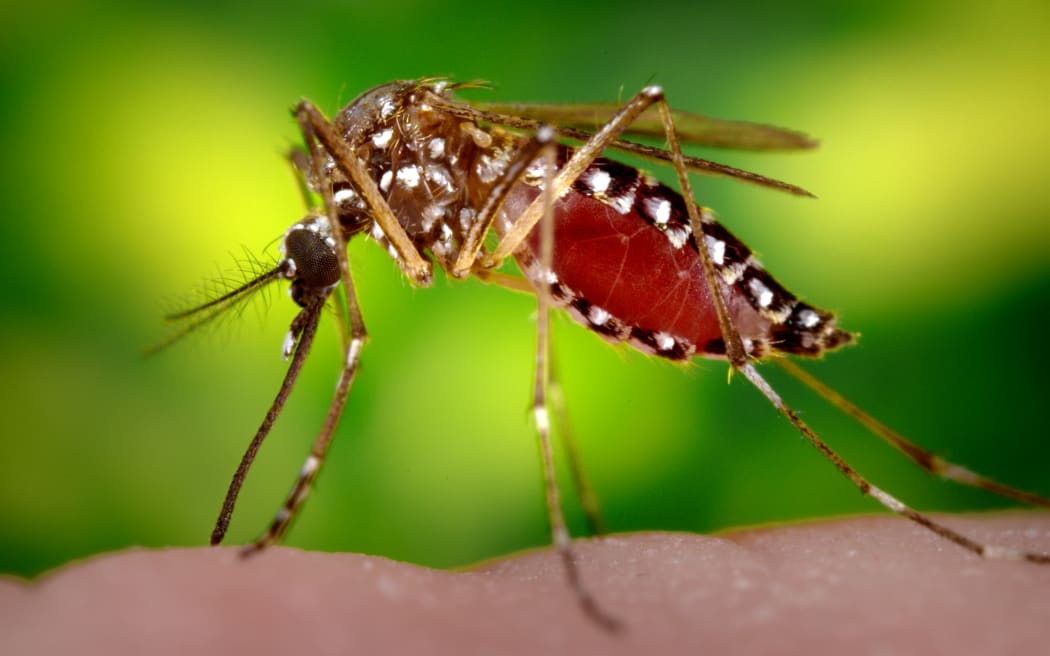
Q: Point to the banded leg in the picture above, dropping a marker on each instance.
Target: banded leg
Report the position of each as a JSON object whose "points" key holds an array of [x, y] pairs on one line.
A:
{"points": [[308, 474], [504, 280], [468, 253], [301, 334], [542, 209], [310, 120], [559, 532], [567, 175], [354, 339], [300, 161], [466, 263], [931, 462], [584, 489], [740, 362], [887, 500]]}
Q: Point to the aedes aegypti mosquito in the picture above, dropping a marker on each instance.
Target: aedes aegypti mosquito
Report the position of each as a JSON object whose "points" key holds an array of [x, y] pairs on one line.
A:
{"points": [[429, 177]]}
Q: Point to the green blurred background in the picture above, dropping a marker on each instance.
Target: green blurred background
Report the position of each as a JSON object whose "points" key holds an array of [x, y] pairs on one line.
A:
{"points": [[143, 147]]}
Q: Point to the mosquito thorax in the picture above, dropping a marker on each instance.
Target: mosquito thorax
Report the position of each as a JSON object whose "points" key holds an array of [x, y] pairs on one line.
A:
{"points": [[310, 260], [431, 167], [359, 120]]}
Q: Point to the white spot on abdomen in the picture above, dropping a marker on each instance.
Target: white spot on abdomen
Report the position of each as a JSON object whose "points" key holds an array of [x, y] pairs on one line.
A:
{"points": [[808, 318], [623, 204], [598, 316], [717, 249], [677, 236], [598, 181], [761, 292], [664, 341], [659, 210]]}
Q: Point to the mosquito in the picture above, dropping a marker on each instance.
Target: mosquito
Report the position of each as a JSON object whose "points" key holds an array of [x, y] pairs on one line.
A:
{"points": [[436, 180]]}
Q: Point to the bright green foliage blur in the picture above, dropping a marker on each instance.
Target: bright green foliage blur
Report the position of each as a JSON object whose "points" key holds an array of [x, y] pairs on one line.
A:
{"points": [[143, 149]]}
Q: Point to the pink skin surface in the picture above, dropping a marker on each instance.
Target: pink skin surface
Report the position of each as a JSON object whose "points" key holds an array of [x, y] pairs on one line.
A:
{"points": [[872, 585]]}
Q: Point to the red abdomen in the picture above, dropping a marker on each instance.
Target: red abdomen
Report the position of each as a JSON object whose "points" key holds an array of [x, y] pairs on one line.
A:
{"points": [[626, 265]]}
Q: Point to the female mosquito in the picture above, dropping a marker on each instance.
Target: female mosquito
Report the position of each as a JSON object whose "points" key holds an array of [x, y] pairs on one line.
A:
{"points": [[433, 179]]}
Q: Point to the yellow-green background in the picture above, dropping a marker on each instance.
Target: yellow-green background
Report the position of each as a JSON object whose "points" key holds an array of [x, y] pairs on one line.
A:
{"points": [[141, 148]]}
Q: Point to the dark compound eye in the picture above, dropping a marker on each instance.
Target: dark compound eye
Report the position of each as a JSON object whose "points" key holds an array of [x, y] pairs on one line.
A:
{"points": [[316, 264]]}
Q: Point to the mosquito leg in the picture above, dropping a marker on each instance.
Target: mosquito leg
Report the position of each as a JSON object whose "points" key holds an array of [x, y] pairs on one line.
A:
{"points": [[735, 352], [559, 532], [313, 464], [302, 332], [300, 161], [572, 169], [738, 358], [468, 253], [286, 515], [316, 127], [505, 280], [354, 339], [314, 162], [866, 488], [584, 489], [928, 460]]}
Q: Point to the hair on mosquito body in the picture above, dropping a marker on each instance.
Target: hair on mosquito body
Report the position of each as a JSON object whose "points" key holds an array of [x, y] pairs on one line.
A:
{"points": [[468, 186]]}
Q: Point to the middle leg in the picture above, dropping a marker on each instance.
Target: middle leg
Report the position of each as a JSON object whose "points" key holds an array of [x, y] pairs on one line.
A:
{"points": [[559, 532]]}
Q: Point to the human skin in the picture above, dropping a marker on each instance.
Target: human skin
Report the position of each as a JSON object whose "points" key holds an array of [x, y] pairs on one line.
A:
{"points": [[858, 586]]}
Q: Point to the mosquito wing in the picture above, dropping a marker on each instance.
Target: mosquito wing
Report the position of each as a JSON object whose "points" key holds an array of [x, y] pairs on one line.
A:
{"points": [[580, 121], [692, 128]]}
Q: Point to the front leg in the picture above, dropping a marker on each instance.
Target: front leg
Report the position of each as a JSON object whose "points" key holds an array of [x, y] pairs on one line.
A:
{"points": [[515, 171], [567, 175], [317, 129]]}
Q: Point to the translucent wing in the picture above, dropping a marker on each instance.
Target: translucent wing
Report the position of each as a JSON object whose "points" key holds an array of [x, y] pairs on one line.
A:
{"points": [[692, 128], [580, 121]]}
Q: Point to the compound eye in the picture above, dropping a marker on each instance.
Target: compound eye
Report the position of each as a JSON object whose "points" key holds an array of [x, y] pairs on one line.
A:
{"points": [[316, 264]]}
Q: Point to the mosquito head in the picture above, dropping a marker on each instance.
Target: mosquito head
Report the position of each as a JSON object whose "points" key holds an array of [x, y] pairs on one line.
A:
{"points": [[310, 260]]}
